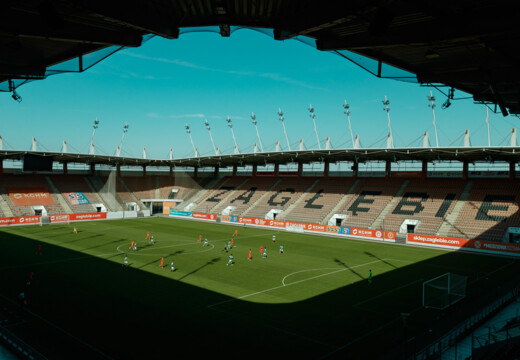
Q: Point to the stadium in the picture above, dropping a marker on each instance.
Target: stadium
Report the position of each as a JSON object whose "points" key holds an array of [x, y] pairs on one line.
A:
{"points": [[320, 253]]}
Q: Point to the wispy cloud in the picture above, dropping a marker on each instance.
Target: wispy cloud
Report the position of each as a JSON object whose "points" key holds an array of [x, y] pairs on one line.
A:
{"points": [[184, 116], [153, 115], [272, 76]]}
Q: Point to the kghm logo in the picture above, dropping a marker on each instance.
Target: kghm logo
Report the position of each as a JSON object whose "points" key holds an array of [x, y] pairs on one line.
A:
{"points": [[378, 233]]}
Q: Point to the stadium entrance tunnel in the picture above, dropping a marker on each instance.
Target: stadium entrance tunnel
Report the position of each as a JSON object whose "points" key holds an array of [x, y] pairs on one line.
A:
{"points": [[39, 210], [512, 235], [273, 214], [408, 226], [337, 219]]}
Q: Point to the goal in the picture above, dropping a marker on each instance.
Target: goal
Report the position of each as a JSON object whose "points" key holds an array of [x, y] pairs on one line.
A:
{"points": [[444, 290]]}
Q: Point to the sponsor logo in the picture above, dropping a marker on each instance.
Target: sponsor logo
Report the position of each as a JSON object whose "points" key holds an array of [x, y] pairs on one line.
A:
{"points": [[22, 220], [390, 235], [271, 222], [378, 234], [477, 244], [354, 231], [256, 221]]}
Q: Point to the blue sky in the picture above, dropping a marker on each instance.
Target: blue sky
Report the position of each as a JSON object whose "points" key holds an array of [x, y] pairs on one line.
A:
{"points": [[164, 84]]}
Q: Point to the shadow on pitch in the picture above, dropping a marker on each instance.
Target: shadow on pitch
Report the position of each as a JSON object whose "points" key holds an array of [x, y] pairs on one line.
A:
{"points": [[104, 244], [155, 261], [338, 261], [378, 258], [211, 262]]}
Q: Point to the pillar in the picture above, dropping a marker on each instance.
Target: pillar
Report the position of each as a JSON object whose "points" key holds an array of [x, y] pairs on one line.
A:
{"points": [[171, 170], [93, 169], [276, 169], [215, 173], [255, 167], [118, 170], [388, 169], [326, 169], [465, 166], [1, 166], [300, 169], [144, 170], [355, 169], [195, 172], [235, 167], [65, 169], [424, 170], [511, 170]]}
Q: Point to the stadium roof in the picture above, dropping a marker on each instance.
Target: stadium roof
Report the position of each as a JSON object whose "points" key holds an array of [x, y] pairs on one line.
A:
{"points": [[470, 154], [468, 45]]}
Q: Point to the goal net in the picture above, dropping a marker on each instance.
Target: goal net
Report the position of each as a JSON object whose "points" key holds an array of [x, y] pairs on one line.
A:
{"points": [[444, 290]]}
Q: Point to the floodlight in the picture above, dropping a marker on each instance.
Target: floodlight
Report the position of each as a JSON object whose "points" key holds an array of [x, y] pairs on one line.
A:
{"points": [[16, 97]]}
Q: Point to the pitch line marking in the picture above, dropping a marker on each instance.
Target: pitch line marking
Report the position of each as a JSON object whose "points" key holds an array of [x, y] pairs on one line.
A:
{"points": [[293, 283], [307, 270]]}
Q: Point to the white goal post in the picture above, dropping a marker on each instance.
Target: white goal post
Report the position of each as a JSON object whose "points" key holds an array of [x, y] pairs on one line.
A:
{"points": [[444, 290]]}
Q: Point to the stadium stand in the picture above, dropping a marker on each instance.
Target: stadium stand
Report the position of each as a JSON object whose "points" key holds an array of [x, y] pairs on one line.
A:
{"points": [[283, 195], [75, 183], [29, 182], [368, 200], [492, 207], [243, 198], [479, 208], [318, 203], [428, 201], [219, 192]]}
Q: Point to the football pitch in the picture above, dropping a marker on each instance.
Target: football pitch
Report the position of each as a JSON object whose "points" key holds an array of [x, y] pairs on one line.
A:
{"points": [[314, 301]]}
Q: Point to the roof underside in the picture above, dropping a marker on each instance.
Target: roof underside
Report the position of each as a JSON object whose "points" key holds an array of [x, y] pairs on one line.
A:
{"points": [[469, 154], [468, 45]]}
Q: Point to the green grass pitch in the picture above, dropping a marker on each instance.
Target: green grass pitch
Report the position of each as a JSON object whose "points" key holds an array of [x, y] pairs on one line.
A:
{"points": [[314, 301]]}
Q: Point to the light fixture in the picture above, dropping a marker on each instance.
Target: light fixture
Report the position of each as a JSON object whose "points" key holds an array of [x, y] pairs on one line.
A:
{"points": [[16, 97]]}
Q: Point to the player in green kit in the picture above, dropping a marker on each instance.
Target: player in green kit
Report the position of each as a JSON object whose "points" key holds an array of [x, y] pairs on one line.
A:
{"points": [[370, 276], [281, 249], [230, 261]]}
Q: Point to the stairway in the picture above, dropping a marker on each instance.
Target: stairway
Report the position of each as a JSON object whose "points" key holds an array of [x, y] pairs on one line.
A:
{"points": [[231, 193], [108, 198], [452, 217], [267, 193], [195, 197], [341, 202], [4, 206], [298, 201], [377, 222], [63, 203], [132, 196]]}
